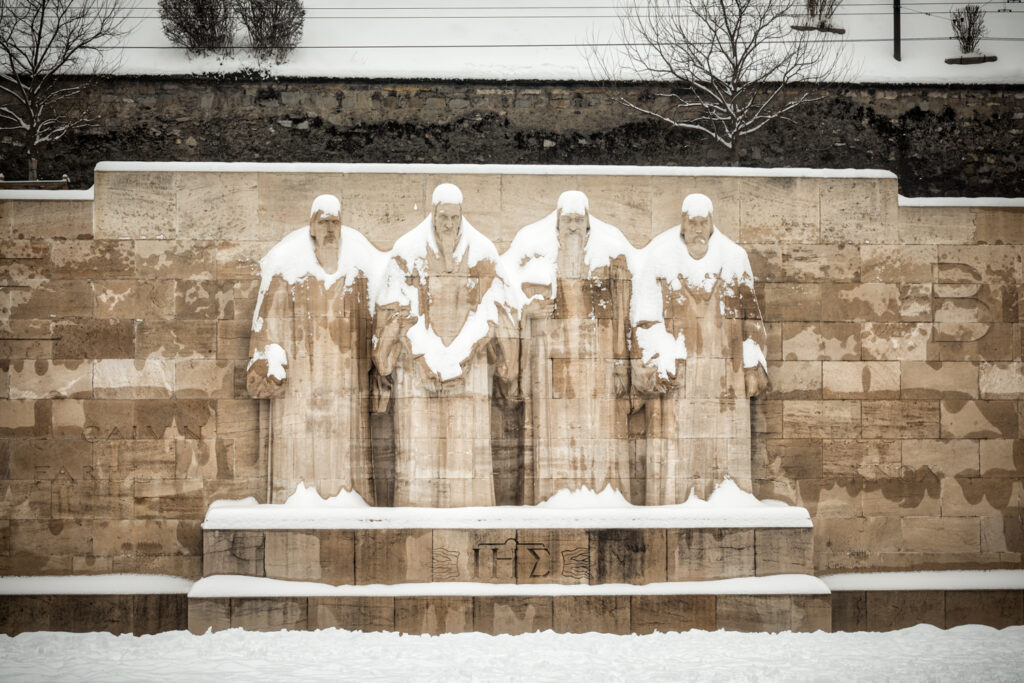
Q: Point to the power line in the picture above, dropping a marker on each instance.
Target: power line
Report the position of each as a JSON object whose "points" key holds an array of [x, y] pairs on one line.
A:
{"points": [[506, 8], [572, 16], [536, 45]]}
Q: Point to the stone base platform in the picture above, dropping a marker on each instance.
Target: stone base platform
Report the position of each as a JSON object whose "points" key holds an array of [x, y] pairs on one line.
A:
{"points": [[117, 614], [748, 604], [892, 610], [509, 569], [886, 601], [507, 556]]}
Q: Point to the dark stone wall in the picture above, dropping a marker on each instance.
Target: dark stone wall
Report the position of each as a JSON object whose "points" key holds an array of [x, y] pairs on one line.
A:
{"points": [[939, 140]]}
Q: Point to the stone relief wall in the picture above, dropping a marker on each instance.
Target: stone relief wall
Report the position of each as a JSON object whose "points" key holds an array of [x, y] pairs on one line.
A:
{"points": [[893, 346]]}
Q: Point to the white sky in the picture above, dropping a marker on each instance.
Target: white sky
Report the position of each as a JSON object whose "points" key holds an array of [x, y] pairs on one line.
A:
{"points": [[534, 39]]}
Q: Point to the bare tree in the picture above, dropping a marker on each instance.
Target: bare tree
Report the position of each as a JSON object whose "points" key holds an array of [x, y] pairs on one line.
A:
{"points": [[48, 49], [724, 68]]}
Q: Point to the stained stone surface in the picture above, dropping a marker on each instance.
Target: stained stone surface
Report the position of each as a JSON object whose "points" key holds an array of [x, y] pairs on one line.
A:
{"points": [[310, 355], [502, 614], [519, 556], [442, 282], [910, 457]]}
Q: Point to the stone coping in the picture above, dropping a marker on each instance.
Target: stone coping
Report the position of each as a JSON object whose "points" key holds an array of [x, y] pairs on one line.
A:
{"points": [[96, 584], [492, 169], [231, 586], [229, 517], [52, 195], [948, 580]]}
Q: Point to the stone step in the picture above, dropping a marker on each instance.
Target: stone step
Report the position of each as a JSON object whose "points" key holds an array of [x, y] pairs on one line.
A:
{"points": [[508, 556], [777, 603]]}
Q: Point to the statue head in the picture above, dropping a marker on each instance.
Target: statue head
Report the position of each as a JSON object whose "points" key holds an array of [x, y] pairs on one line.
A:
{"points": [[573, 213], [697, 224], [325, 229], [447, 211]]}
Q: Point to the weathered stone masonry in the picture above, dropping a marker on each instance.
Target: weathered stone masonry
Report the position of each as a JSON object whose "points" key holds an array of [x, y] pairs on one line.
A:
{"points": [[894, 350], [940, 140]]}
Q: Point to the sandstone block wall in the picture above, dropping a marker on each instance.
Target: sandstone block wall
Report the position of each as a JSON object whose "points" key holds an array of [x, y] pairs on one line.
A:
{"points": [[894, 349]]}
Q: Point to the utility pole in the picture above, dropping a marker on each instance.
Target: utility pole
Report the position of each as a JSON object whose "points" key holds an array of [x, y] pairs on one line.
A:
{"points": [[896, 30]]}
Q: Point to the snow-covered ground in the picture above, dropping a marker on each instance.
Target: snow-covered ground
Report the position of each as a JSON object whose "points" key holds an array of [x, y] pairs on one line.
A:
{"points": [[526, 39], [921, 653]]}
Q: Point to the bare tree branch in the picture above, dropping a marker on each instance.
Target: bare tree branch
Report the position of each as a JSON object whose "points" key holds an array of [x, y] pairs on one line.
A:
{"points": [[729, 63], [42, 44]]}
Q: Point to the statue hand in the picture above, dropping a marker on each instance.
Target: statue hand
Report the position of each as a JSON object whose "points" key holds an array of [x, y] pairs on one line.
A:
{"points": [[647, 381], [380, 392], [540, 308], [756, 380], [260, 384]]}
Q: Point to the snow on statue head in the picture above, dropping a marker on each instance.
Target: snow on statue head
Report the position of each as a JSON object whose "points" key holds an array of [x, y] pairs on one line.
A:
{"points": [[573, 212], [447, 213], [325, 229], [697, 224], [446, 193], [327, 205]]}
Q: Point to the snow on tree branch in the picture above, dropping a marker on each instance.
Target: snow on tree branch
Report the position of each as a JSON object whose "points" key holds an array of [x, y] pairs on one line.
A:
{"points": [[49, 49], [733, 65]]}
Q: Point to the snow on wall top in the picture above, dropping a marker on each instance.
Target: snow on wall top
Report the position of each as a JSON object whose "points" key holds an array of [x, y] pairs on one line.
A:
{"points": [[957, 579], [101, 584], [225, 586], [472, 169], [52, 195]]}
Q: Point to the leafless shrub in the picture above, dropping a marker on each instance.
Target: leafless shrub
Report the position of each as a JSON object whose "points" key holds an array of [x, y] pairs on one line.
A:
{"points": [[821, 11], [274, 26], [968, 27], [200, 26]]}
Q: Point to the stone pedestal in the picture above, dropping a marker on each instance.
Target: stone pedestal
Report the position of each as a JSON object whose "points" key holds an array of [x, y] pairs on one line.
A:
{"points": [[512, 580]]}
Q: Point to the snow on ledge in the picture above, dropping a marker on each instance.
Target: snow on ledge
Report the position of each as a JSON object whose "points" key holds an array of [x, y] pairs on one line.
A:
{"points": [[951, 580], [52, 195], [99, 584], [502, 517], [229, 586], [994, 202], [727, 506], [502, 169]]}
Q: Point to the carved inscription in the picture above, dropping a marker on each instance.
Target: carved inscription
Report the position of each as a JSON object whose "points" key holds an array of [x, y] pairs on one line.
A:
{"points": [[576, 563], [513, 561], [445, 564]]}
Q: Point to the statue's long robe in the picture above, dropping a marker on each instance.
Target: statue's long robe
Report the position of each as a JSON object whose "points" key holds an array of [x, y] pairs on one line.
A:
{"points": [[442, 366], [698, 431], [575, 361], [319, 429]]}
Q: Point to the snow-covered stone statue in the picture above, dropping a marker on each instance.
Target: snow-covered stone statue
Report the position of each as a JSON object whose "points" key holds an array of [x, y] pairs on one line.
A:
{"points": [[572, 271], [700, 344], [310, 354], [443, 334]]}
